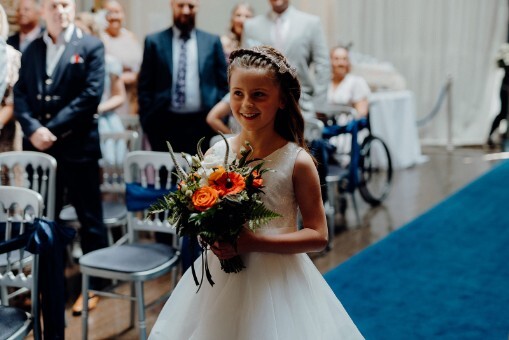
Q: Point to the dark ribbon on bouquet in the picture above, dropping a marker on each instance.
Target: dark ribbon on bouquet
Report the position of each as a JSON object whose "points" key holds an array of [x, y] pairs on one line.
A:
{"points": [[205, 271], [140, 198]]}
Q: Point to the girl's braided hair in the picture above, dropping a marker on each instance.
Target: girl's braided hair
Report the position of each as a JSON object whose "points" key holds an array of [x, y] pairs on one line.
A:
{"points": [[289, 122]]}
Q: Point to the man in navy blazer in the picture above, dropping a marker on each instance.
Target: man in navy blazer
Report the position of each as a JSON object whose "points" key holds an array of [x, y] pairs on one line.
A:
{"points": [[182, 76], [167, 114], [60, 84]]}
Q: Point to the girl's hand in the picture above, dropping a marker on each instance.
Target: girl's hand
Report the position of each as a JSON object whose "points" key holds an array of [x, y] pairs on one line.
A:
{"points": [[223, 250]]}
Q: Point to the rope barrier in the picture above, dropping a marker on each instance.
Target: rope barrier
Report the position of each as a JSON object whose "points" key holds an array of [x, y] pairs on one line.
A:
{"points": [[438, 104]]}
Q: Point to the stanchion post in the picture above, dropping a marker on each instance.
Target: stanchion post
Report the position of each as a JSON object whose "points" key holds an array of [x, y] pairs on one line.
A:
{"points": [[450, 143]]}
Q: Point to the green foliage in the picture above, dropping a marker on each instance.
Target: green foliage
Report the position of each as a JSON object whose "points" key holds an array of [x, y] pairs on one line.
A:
{"points": [[226, 217]]}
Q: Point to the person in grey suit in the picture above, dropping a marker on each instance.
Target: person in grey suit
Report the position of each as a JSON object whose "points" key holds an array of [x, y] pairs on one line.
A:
{"points": [[182, 76], [300, 37]]}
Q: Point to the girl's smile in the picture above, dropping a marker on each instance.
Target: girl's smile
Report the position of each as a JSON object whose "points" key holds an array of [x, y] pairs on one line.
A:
{"points": [[254, 100]]}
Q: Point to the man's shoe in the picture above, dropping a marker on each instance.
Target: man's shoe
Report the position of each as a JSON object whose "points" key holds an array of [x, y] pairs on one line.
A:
{"points": [[93, 300]]}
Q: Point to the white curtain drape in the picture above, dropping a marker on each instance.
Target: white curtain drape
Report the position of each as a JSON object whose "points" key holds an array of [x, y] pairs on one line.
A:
{"points": [[427, 41]]}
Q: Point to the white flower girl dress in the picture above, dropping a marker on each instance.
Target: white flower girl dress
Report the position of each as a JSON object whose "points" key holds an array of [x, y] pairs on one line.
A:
{"points": [[281, 297]]}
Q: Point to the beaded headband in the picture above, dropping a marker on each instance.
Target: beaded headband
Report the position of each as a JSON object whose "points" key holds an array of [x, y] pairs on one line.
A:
{"points": [[259, 51]]}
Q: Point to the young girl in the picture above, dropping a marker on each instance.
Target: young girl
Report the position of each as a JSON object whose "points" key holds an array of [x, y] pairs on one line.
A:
{"points": [[280, 294]]}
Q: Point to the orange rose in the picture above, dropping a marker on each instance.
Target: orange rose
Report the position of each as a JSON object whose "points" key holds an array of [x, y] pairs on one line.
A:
{"points": [[257, 180], [204, 198], [230, 183], [216, 174]]}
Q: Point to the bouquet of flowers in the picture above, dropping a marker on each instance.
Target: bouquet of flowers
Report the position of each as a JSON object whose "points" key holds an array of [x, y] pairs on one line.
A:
{"points": [[215, 200]]}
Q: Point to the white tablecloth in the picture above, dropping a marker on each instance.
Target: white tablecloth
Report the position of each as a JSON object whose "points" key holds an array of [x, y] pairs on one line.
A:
{"points": [[393, 119]]}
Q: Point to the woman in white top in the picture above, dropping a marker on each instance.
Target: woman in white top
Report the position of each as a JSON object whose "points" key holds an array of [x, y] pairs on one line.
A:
{"points": [[346, 88], [114, 96], [123, 45], [231, 41]]}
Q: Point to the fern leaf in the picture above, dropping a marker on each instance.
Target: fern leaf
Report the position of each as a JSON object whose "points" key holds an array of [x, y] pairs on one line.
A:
{"points": [[260, 216]]}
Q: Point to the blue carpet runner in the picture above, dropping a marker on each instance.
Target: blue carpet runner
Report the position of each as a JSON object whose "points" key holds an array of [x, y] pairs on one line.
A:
{"points": [[444, 275]]}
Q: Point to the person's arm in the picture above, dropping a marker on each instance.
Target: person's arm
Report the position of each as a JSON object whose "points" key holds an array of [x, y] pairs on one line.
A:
{"points": [[6, 113], [129, 77], [311, 238], [362, 107], [361, 93], [217, 114], [117, 98]]}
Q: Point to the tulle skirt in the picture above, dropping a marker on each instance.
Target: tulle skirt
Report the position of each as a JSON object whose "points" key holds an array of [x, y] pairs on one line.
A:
{"points": [[274, 297]]}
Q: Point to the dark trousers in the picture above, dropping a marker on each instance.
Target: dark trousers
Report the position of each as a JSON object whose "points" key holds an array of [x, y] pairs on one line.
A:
{"points": [[182, 130], [504, 107], [79, 183]]}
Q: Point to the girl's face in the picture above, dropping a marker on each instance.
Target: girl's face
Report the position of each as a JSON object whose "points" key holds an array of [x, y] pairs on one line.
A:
{"points": [[239, 16], [340, 62], [255, 98]]}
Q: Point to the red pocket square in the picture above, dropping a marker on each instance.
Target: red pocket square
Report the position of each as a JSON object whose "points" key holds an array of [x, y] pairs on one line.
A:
{"points": [[77, 59]]}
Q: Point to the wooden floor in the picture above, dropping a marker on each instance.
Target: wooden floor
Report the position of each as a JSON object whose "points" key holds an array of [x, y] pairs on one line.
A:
{"points": [[414, 191]]}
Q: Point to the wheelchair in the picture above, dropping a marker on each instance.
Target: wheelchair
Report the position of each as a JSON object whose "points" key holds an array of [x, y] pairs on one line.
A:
{"points": [[368, 165]]}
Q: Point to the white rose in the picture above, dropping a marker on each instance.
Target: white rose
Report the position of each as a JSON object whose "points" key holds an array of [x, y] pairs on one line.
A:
{"points": [[212, 160]]}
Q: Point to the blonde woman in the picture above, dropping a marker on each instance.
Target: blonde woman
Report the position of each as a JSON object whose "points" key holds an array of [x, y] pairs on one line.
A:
{"points": [[231, 41]]}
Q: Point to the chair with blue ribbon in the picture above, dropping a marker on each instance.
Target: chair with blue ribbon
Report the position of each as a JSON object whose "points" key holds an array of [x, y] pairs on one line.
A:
{"points": [[148, 176], [31, 259]]}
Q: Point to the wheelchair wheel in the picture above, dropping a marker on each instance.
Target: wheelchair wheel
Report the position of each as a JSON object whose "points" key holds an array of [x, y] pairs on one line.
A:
{"points": [[375, 167]]}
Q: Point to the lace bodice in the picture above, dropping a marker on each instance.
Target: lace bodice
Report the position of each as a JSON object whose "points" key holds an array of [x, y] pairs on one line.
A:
{"points": [[279, 195]]}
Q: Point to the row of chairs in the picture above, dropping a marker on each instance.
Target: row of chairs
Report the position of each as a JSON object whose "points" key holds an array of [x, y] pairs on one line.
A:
{"points": [[37, 171], [137, 260], [130, 261]]}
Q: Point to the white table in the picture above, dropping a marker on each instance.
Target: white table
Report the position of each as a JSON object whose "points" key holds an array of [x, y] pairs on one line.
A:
{"points": [[393, 118]]}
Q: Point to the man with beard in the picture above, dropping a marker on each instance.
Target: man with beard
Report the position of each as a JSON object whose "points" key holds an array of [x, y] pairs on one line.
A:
{"points": [[182, 76]]}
